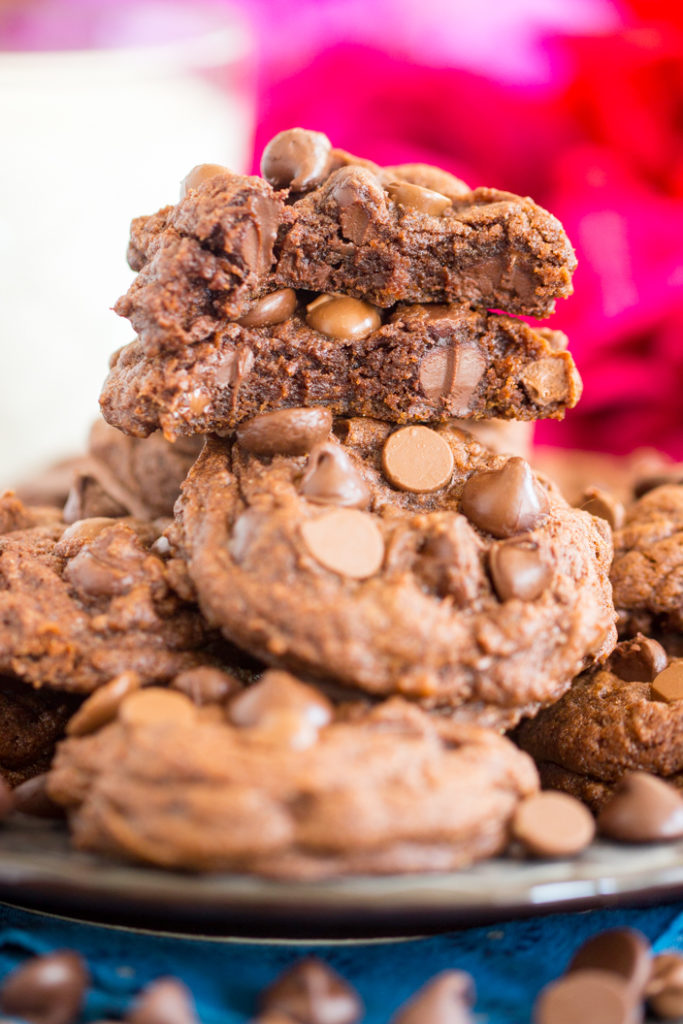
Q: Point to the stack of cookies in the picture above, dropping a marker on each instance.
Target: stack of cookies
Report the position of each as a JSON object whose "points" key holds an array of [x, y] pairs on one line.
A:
{"points": [[306, 671]]}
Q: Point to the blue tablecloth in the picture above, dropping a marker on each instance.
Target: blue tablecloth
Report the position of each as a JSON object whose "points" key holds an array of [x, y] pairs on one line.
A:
{"points": [[510, 962]]}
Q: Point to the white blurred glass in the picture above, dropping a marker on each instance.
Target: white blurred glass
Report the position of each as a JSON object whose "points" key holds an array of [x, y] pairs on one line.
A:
{"points": [[96, 130]]}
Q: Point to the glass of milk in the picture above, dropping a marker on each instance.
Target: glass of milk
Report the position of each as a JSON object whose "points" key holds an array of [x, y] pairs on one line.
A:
{"points": [[104, 107]]}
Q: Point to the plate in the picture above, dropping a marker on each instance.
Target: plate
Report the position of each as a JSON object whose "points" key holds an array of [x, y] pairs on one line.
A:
{"points": [[39, 870]]}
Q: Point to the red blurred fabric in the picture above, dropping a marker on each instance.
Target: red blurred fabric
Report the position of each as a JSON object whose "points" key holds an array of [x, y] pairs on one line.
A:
{"points": [[599, 141]]}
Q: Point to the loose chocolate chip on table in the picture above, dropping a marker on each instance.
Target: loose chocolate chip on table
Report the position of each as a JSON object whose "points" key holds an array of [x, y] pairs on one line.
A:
{"points": [[342, 317], [103, 705], [6, 800], [415, 197], [270, 309], [621, 951], [642, 809], [157, 705], [206, 685], [46, 989], [518, 570], [345, 541], [166, 1001], [296, 159], [553, 825], [285, 431], [604, 505], [32, 798], [452, 372], [198, 175], [310, 992], [638, 660], [417, 459], [668, 684], [507, 501], [446, 999], [664, 989], [330, 478], [586, 997]]}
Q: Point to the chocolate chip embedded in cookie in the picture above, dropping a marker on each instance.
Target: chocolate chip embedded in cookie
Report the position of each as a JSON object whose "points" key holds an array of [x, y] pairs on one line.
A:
{"points": [[624, 717], [647, 573], [281, 789], [31, 722], [423, 364], [82, 604], [410, 561]]}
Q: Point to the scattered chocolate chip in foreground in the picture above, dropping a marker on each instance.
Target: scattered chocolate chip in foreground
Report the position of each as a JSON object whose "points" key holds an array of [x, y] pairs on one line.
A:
{"points": [[417, 459], [506, 501], [638, 660], [553, 825], [664, 989], [46, 989], [622, 951], [446, 999], [285, 431], [310, 992], [345, 541], [642, 809], [166, 1001], [586, 997]]}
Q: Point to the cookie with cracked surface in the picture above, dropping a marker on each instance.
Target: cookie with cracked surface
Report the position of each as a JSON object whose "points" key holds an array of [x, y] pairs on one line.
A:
{"points": [[647, 572], [80, 604], [410, 561], [350, 227], [425, 364], [31, 722], [624, 716], [282, 785]]}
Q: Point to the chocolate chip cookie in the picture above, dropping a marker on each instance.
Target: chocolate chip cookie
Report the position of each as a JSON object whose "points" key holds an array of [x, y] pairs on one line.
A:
{"points": [[625, 716], [408, 560], [277, 783], [31, 722], [425, 363], [79, 605], [382, 235], [647, 573]]}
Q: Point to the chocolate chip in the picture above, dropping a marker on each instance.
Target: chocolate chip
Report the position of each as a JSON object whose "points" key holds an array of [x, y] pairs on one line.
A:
{"points": [[102, 706], [6, 800], [83, 531], [604, 505], [32, 798], [285, 431], [664, 989], [668, 684], [638, 660], [342, 317], [166, 1001], [275, 693], [271, 309], [345, 541], [621, 951], [586, 997], [642, 809], [331, 478], [506, 501], [446, 999], [429, 177], [452, 372], [46, 989], [296, 159], [360, 203], [417, 459], [146, 707], [206, 685], [547, 381], [553, 825], [310, 992], [199, 174], [417, 198], [518, 570]]}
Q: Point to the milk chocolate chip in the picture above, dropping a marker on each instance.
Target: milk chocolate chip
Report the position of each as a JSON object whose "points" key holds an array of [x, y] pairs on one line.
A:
{"points": [[586, 997], [103, 705], [360, 202], [642, 809], [453, 373], [553, 825], [270, 309], [518, 570], [32, 798], [446, 999], [275, 693], [340, 316], [417, 459], [46, 989], [310, 992], [547, 381], [198, 175], [668, 684], [166, 1001], [506, 501], [146, 707], [621, 951], [604, 505], [285, 431], [206, 685], [638, 660], [415, 197], [345, 541], [332, 479], [664, 989], [296, 159]]}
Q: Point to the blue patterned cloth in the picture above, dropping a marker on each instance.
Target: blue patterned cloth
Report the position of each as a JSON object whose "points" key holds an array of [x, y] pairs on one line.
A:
{"points": [[510, 962]]}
